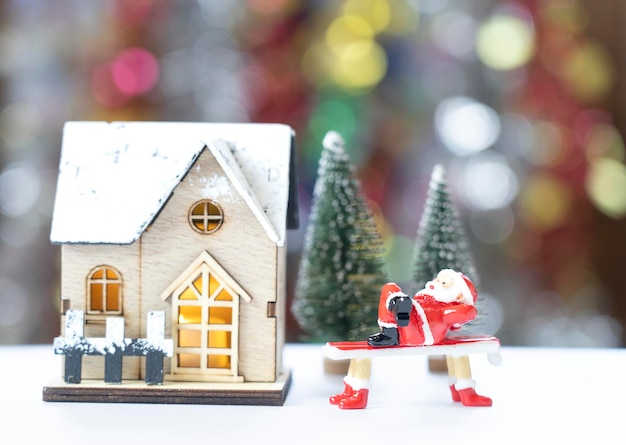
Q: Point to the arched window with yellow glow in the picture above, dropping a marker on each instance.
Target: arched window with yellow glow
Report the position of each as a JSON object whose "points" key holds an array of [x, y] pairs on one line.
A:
{"points": [[104, 291], [205, 325]]}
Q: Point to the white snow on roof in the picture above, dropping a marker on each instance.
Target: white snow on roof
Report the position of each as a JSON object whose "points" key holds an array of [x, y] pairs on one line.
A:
{"points": [[115, 177]]}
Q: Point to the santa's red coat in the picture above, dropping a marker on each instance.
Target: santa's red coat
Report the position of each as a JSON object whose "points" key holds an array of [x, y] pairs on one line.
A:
{"points": [[431, 320]]}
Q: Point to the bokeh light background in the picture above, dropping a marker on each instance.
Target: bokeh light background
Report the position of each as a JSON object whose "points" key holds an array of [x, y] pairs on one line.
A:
{"points": [[521, 100]]}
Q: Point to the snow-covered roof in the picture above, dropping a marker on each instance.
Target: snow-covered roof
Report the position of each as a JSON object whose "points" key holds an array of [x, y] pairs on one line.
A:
{"points": [[115, 177]]}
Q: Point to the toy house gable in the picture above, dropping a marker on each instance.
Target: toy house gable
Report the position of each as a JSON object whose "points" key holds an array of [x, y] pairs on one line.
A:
{"points": [[186, 219]]}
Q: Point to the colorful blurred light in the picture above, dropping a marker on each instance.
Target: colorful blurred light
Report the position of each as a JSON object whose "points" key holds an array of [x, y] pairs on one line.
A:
{"points": [[489, 183], [20, 124], [135, 71], [361, 66], [548, 146], [430, 6], [604, 140], [588, 72], [606, 186], [332, 115], [492, 226], [545, 202], [20, 188], [454, 32], [505, 42], [377, 13], [466, 126], [356, 61]]}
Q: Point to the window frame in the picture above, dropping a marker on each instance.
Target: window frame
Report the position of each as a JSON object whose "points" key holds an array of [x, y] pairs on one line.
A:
{"points": [[105, 282], [206, 218]]}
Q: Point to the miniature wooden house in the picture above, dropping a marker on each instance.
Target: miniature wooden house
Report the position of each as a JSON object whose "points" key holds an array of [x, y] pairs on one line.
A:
{"points": [[185, 218]]}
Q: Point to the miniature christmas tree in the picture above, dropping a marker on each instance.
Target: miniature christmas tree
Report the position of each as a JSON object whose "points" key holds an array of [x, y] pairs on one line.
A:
{"points": [[441, 241], [342, 268]]}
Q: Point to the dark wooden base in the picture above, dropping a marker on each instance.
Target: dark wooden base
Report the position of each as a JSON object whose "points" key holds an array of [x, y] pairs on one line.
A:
{"points": [[198, 393]]}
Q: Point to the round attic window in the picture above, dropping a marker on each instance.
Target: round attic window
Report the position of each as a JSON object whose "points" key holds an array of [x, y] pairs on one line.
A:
{"points": [[206, 216]]}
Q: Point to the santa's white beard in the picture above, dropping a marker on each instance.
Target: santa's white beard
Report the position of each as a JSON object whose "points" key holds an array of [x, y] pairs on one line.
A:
{"points": [[445, 295]]}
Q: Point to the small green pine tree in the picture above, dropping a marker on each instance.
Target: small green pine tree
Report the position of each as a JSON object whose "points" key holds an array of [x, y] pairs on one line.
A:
{"points": [[442, 243], [342, 267]]}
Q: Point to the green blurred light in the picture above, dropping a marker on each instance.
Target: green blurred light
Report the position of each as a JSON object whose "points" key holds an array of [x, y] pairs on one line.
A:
{"points": [[606, 186], [335, 115]]}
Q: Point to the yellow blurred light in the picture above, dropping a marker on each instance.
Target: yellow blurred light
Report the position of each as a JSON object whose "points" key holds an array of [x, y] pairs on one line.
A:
{"points": [[604, 141], [588, 72], [315, 63], [545, 203], [606, 186], [360, 66], [347, 30], [505, 42], [376, 13]]}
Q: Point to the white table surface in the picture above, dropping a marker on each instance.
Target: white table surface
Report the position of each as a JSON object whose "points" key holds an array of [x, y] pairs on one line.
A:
{"points": [[541, 396]]}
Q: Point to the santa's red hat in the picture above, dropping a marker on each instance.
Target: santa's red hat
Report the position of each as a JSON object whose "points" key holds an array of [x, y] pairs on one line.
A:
{"points": [[468, 288]]}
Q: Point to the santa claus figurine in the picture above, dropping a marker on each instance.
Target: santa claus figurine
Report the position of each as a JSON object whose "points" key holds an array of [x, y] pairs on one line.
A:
{"points": [[446, 302]]}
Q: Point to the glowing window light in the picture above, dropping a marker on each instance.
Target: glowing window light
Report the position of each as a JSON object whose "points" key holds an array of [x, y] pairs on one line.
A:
{"points": [[489, 183], [466, 126], [606, 187], [545, 203], [505, 42]]}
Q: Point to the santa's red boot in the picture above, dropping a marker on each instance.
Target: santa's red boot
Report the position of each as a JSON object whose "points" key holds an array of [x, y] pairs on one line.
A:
{"points": [[468, 395], [453, 392], [456, 397], [358, 400], [347, 392]]}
